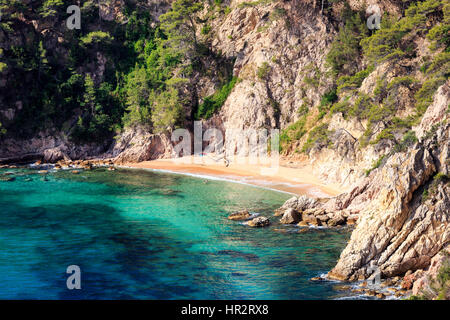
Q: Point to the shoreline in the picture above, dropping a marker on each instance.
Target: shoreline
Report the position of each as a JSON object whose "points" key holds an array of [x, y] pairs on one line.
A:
{"points": [[296, 181]]}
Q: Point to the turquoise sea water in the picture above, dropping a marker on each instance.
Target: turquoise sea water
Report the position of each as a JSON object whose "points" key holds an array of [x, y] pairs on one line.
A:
{"points": [[143, 235]]}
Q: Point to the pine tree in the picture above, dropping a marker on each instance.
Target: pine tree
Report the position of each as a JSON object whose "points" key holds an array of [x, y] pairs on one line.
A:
{"points": [[167, 109], [89, 100], [179, 23]]}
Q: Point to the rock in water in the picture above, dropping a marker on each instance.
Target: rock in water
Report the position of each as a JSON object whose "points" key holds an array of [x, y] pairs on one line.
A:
{"points": [[291, 216], [300, 204], [259, 222], [240, 215], [7, 179], [310, 219]]}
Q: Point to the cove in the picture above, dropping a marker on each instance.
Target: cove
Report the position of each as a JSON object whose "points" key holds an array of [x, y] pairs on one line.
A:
{"points": [[148, 235]]}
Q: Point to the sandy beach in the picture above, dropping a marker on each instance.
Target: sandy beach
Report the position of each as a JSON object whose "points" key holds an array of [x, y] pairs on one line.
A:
{"points": [[296, 180]]}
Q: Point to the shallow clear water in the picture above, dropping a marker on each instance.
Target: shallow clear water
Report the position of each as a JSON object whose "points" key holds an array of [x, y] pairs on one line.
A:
{"points": [[144, 235]]}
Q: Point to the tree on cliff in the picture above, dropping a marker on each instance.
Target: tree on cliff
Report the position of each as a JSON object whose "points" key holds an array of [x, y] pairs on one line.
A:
{"points": [[167, 110], [89, 100], [50, 8], [180, 26], [137, 95]]}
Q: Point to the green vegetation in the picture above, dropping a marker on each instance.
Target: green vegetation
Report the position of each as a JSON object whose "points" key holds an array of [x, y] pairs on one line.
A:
{"points": [[318, 137], [50, 8], [263, 71], [167, 109], [146, 69], [213, 103], [424, 96], [247, 4], [2, 130], [442, 283], [325, 103], [408, 140], [293, 133], [355, 81], [376, 164], [438, 288], [312, 75], [344, 49], [433, 185], [392, 40]]}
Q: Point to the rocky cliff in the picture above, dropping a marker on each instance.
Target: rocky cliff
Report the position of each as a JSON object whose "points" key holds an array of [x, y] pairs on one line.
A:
{"points": [[402, 208]]}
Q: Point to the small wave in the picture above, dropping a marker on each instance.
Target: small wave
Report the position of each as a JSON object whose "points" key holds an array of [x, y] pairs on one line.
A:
{"points": [[253, 215], [356, 297], [317, 227], [232, 179]]}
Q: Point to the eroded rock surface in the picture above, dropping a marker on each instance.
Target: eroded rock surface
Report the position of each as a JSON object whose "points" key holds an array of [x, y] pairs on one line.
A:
{"points": [[401, 211], [137, 144]]}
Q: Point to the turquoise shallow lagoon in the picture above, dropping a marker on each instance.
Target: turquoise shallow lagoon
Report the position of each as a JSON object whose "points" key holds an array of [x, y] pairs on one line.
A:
{"points": [[143, 235]]}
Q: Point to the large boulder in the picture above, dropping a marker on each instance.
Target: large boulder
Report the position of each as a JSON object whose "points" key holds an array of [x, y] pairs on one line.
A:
{"points": [[259, 222], [291, 216], [54, 155], [299, 204], [138, 144]]}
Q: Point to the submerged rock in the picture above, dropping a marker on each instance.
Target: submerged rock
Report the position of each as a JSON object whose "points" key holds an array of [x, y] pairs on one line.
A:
{"points": [[7, 179], [259, 222], [240, 215]]}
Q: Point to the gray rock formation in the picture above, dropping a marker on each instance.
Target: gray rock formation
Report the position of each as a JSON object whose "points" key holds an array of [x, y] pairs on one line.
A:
{"points": [[137, 144], [291, 216], [401, 209]]}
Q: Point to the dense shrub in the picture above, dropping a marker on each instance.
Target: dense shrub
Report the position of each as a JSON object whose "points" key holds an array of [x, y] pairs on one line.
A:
{"points": [[319, 136], [293, 132], [213, 103], [346, 46], [263, 71]]}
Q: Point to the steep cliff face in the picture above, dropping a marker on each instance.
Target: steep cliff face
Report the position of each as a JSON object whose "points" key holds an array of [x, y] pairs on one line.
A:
{"points": [[402, 208], [274, 53], [281, 50], [406, 220], [397, 177], [277, 51]]}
